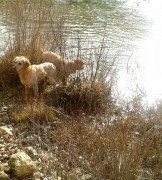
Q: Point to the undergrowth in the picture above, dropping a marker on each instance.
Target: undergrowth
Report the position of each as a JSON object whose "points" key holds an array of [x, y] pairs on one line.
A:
{"points": [[95, 147]]}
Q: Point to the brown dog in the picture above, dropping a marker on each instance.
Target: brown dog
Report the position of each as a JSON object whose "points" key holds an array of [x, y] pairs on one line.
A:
{"points": [[31, 75], [64, 69]]}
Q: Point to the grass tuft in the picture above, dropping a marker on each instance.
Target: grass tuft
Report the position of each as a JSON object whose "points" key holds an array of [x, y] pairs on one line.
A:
{"points": [[77, 99], [38, 112]]}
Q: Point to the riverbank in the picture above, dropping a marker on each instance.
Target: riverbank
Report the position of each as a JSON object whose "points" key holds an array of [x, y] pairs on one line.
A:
{"points": [[110, 145]]}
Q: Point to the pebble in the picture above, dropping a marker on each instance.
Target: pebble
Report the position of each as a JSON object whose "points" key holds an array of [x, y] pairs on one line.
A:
{"points": [[3, 175], [38, 176], [1, 167], [4, 117], [30, 151], [4, 130], [6, 167]]}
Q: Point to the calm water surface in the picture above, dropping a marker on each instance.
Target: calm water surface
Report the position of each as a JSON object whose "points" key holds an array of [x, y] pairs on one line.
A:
{"points": [[149, 54]]}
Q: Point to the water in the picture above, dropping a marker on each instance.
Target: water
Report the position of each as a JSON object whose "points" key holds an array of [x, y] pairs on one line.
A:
{"points": [[130, 31], [148, 55], [120, 24]]}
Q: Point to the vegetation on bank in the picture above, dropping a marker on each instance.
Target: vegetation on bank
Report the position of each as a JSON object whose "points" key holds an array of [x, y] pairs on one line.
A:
{"points": [[81, 128]]}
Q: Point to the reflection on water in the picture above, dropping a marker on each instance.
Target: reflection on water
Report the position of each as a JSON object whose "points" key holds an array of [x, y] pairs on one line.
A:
{"points": [[119, 25], [91, 20], [149, 56], [115, 24]]}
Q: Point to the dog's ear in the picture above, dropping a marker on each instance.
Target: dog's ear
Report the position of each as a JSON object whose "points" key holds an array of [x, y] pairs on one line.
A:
{"points": [[78, 64], [15, 60], [26, 63]]}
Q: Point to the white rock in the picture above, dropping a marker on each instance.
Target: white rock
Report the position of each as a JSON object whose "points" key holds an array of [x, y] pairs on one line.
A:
{"points": [[5, 131], [4, 109], [3, 175], [21, 165], [1, 167]]}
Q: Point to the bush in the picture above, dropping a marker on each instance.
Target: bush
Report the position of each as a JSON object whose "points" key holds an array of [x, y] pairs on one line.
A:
{"points": [[125, 149], [80, 98]]}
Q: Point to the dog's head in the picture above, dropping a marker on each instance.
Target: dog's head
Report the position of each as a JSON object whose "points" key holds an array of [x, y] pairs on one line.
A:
{"points": [[78, 64], [21, 62]]}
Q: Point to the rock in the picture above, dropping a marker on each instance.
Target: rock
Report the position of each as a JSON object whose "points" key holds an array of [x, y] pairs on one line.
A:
{"points": [[30, 151], [8, 138], [1, 167], [6, 156], [4, 109], [44, 157], [4, 117], [6, 168], [38, 176], [1, 157], [21, 165], [86, 177], [3, 175], [5, 131], [2, 146]]}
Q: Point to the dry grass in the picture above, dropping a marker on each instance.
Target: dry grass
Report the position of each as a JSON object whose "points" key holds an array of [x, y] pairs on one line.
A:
{"points": [[8, 77], [129, 148], [35, 111], [77, 99]]}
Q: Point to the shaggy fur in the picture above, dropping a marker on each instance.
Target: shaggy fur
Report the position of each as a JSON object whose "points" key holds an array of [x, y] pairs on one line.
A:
{"points": [[31, 75], [64, 69]]}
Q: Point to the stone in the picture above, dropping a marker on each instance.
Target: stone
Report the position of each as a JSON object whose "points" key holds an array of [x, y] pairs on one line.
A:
{"points": [[4, 117], [86, 177], [7, 138], [5, 131], [1, 167], [2, 146], [6, 168], [30, 151], [21, 165], [3, 175], [4, 109], [6, 156], [38, 176]]}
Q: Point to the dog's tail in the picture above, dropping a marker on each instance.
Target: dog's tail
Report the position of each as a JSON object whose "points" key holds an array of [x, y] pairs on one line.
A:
{"points": [[38, 43]]}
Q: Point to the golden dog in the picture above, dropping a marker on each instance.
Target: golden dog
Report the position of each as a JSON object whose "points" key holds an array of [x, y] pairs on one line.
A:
{"points": [[31, 75], [64, 69]]}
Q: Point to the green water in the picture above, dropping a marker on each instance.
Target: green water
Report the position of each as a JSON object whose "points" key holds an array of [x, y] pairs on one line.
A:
{"points": [[91, 24], [112, 24]]}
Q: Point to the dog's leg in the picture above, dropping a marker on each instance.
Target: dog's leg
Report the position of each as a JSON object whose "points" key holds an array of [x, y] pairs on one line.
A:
{"points": [[64, 81], [36, 91], [43, 88], [26, 94]]}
